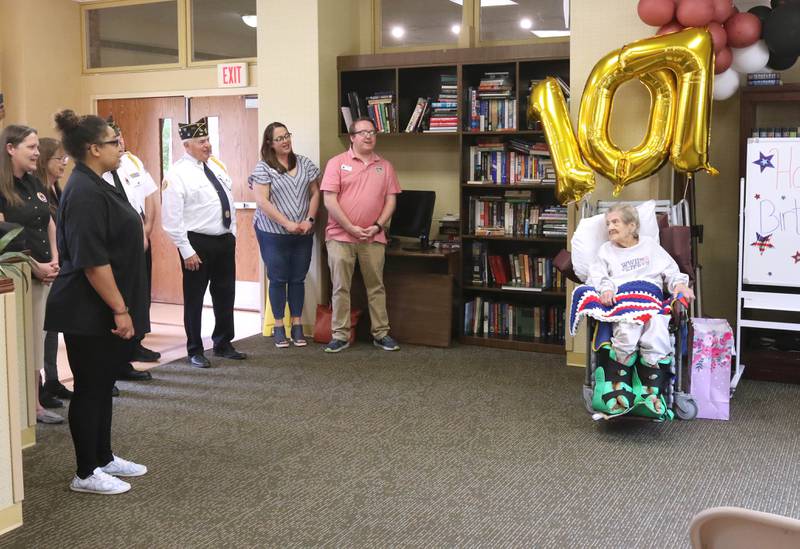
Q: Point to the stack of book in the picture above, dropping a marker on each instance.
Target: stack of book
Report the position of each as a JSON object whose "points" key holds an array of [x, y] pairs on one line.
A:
{"points": [[512, 163], [383, 111], [791, 131], [492, 106], [508, 215], [419, 115], [444, 111], [554, 221], [490, 318], [764, 79], [515, 271]]}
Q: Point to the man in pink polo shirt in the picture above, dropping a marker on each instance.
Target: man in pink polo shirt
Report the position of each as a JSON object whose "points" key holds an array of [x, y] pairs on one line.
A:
{"points": [[359, 190]]}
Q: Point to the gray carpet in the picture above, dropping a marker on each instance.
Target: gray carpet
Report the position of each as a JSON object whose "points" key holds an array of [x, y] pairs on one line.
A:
{"points": [[423, 448]]}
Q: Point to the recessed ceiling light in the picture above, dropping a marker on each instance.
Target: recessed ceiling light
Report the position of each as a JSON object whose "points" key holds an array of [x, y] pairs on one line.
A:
{"points": [[525, 23], [250, 20], [550, 34], [455, 29], [398, 32], [489, 3]]}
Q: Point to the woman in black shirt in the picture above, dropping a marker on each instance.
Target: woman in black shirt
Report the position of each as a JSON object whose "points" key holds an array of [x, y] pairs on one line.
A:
{"points": [[49, 170], [23, 201], [96, 299]]}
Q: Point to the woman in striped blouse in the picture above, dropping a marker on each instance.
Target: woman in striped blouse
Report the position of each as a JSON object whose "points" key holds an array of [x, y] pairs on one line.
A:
{"points": [[287, 194]]}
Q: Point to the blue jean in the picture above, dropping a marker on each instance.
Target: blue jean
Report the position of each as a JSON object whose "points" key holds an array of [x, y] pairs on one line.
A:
{"points": [[287, 258]]}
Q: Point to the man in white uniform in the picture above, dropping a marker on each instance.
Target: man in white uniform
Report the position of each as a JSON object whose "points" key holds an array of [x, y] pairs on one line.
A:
{"points": [[132, 179], [199, 216]]}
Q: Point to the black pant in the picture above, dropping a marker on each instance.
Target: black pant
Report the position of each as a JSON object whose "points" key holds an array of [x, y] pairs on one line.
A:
{"points": [[94, 361], [218, 256], [137, 340]]}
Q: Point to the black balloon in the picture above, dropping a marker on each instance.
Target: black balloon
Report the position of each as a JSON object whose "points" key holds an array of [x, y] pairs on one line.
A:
{"points": [[780, 31], [779, 3], [762, 12], [781, 62]]}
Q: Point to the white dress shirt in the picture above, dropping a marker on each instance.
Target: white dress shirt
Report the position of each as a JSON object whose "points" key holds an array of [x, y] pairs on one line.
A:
{"points": [[135, 180], [190, 202]]}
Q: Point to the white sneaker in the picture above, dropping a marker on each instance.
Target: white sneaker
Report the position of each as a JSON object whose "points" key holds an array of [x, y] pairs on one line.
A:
{"points": [[99, 483], [124, 468]]}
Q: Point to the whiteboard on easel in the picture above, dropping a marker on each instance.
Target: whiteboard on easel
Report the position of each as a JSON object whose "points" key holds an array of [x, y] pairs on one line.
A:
{"points": [[771, 245]]}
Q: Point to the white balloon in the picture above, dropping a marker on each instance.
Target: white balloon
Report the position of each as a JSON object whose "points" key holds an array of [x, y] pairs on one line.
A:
{"points": [[726, 84], [753, 58]]}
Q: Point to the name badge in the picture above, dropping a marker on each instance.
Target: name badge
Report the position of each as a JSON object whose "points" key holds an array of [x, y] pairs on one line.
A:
{"points": [[41, 197], [379, 169], [347, 168]]}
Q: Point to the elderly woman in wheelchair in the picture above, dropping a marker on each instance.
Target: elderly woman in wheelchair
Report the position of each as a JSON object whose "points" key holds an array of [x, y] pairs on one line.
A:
{"points": [[625, 285]]}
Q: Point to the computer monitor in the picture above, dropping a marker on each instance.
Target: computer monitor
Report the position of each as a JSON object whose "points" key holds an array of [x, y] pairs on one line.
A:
{"points": [[412, 217]]}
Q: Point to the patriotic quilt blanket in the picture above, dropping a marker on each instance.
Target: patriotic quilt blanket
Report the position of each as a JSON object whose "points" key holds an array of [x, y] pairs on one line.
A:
{"points": [[636, 301]]}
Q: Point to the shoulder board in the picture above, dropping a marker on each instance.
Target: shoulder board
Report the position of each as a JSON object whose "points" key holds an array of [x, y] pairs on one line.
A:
{"points": [[218, 163], [134, 159]]}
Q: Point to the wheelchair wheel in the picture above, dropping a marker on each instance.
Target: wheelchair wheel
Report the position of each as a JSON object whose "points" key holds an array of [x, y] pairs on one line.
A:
{"points": [[588, 392], [685, 406]]}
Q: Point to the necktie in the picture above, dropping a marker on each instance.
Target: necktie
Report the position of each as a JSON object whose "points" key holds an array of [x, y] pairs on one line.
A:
{"points": [[223, 198]]}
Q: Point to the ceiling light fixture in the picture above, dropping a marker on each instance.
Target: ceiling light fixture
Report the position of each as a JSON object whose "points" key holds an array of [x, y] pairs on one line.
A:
{"points": [[550, 33], [456, 29], [398, 32], [525, 23], [250, 20]]}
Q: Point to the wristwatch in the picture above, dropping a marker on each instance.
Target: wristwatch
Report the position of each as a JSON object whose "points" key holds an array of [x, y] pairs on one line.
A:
{"points": [[380, 227]]}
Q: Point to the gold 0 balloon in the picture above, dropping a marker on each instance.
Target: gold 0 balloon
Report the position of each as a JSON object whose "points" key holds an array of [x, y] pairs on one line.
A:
{"points": [[574, 178], [624, 167], [690, 55]]}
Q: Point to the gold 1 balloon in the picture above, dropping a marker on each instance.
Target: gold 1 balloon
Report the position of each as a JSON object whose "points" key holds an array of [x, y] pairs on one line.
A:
{"points": [[677, 70]]}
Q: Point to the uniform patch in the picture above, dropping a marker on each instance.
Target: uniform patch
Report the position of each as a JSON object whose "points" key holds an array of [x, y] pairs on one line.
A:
{"points": [[41, 197]]}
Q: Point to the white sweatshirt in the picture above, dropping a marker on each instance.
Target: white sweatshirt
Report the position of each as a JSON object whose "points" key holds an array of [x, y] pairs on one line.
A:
{"points": [[646, 260]]}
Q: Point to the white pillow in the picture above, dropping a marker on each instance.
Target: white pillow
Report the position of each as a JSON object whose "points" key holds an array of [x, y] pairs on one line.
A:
{"points": [[591, 234]]}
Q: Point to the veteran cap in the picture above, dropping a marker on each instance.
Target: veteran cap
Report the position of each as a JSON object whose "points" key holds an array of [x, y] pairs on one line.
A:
{"points": [[198, 129]]}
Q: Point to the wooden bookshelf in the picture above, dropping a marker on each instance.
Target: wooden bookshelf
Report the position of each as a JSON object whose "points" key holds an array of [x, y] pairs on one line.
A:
{"points": [[410, 75]]}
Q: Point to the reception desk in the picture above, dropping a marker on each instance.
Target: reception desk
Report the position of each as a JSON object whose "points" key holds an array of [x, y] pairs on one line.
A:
{"points": [[420, 289]]}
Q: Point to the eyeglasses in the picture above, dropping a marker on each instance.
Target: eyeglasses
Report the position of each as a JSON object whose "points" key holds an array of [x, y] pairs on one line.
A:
{"points": [[63, 159], [365, 133], [282, 138], [114, 142]]}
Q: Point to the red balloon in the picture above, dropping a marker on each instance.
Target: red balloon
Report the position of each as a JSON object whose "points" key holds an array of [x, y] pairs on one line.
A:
{"points": [[723, 60], [656, 12], [723, 9], [744, 29], [695, 13], [718, 36], [672, 26]]}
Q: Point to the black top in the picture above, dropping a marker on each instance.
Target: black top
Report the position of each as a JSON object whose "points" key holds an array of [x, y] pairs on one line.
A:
{"points": [[33, 215], [96, 226]]}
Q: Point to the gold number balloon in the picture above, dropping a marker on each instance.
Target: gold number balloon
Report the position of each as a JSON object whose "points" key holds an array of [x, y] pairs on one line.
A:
{"points": [[601, 153], [690, 55], [574, 178], [677, 70]]}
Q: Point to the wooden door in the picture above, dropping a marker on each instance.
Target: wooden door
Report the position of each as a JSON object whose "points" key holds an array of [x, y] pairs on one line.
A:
{"points": [[239, 144], [140, 121]]}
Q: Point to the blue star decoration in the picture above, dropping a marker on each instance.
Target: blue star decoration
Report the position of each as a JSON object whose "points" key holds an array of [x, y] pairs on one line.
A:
{"points": [[796, 257], [764, 161], [763, 243]]}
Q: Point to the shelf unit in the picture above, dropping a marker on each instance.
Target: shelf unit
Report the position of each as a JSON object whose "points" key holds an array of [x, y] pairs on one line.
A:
{"points": [[767, 107], [410, 75]]}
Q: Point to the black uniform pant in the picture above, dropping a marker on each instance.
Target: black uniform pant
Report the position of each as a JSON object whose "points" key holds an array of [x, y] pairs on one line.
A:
{"points": [[94, 361], [218, 267]]}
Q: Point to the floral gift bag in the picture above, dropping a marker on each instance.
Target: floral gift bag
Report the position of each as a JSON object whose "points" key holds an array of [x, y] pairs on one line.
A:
{"points": [[711, 367]]}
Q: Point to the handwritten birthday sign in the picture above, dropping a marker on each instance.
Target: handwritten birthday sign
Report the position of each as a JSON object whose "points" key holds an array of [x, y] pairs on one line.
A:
{"points": [[771, 250]]}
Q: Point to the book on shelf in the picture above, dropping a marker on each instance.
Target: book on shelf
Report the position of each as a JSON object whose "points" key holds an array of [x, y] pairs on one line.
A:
{"points": [[764, 79], [525, 271], [517, 216], [513, 162], [347, 116], [417, 116], [494, 318], [492, 106]]}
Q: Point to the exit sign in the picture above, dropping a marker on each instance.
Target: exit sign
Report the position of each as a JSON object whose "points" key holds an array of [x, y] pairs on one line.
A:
{"points": [[232, 75]]}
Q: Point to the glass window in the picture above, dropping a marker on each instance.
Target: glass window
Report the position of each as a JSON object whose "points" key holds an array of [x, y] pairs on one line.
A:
{"points": [[125, 36], [503, 20], [420, 22], [223, 30]]}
